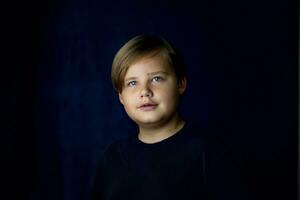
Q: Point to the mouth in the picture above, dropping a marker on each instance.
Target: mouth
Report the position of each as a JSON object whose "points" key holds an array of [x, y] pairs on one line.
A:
{"points": [[147, 107]]}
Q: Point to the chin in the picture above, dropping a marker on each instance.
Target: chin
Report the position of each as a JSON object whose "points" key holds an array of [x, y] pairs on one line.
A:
{"points": [[153, 120], [148, 121], [145, 122]]}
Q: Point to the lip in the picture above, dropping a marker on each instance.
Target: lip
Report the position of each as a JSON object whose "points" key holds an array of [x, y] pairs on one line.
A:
{"points": [[147, 107]]}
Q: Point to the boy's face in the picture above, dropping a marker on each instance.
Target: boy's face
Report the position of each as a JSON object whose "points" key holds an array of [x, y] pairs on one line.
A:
{"points": [[151, 92]]}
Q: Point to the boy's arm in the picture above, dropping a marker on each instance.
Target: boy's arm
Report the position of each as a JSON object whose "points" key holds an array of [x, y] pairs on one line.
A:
{"points": [[223, 177], [98, 181]]}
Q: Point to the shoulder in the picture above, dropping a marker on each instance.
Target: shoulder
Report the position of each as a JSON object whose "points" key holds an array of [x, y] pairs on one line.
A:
{"points": [[118, 149], [197, 135], [218, 155], [109, 159]]}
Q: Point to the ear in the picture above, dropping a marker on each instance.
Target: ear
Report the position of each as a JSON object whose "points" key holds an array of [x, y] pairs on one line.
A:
{"points": [[121, 98], [182, 85]]}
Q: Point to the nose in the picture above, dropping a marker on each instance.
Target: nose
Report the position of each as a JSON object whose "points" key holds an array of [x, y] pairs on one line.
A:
{"points": [[146, 92]]}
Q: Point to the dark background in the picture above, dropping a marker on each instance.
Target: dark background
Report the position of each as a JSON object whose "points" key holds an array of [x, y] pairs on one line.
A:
{"points": [[60, 110]]}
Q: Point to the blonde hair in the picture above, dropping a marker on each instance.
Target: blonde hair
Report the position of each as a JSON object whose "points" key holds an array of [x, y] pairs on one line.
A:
{"points": [[143, 46]]}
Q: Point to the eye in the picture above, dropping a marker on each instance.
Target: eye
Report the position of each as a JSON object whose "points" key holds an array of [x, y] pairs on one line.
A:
{"points": [[131, 83], [157, 79]]}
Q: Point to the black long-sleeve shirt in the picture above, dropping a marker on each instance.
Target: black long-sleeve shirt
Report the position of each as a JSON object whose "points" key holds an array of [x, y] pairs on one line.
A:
{"points": [[184, 166]]}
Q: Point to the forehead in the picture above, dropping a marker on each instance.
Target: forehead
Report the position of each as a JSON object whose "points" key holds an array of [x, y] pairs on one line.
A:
{"points": [[149, 65]]}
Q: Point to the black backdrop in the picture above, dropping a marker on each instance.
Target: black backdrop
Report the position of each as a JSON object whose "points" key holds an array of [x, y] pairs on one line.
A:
{"points": [[61, 111]]}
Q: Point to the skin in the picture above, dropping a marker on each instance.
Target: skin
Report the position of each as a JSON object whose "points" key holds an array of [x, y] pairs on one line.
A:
{"points": [[150, 96]]}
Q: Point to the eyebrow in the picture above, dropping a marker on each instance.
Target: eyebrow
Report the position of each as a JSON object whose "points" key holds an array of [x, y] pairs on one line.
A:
{"points": [[158, 72], [149, 74]]}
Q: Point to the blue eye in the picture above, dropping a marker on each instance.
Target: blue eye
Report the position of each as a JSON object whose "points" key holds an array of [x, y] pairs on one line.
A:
{"points": [[157, 79], [131, 83]]}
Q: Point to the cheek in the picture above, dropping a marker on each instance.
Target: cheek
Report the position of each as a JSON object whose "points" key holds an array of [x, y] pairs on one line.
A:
{"points": [[128, 101], [169, 96]]}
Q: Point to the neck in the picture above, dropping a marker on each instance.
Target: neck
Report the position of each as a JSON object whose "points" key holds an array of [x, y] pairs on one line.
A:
{"points": [[158, 133]]}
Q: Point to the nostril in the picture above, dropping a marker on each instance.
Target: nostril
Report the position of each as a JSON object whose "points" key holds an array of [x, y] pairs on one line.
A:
{"points": [[146, 94]]}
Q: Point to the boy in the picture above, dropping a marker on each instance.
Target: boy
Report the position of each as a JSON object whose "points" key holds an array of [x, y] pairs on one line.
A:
{"points": [[167, 160]]}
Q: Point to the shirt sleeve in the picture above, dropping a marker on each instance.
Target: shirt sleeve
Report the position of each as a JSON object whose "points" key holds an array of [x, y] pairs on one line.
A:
{"points": [[223, 177], [98, 186]]}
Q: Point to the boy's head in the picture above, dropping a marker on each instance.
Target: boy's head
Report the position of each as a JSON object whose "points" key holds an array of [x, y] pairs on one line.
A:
{"points": [[144, 46], [149, 76]]}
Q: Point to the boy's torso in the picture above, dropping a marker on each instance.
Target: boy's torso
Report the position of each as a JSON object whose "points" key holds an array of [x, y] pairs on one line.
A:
{"points": [[172, 169]]}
